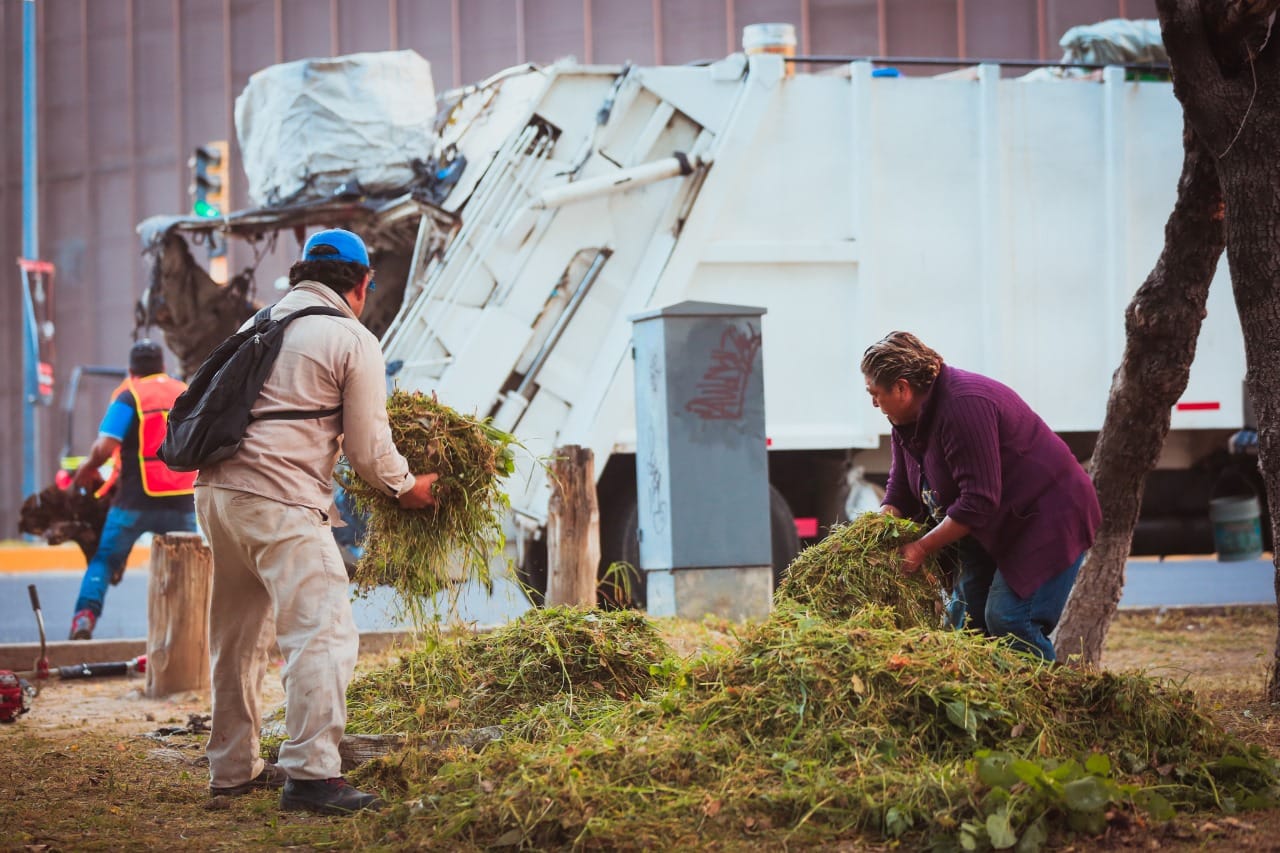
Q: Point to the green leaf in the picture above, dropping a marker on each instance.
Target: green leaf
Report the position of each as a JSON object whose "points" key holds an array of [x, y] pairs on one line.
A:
{"points": [[994, 770], [1034, 837], [895, 822], [1091, 822], [1098, 764], [1027, 771], [959, 715], [1066, 771], [998, 830], [1086, 795], [1154, 804], [509, 838]]}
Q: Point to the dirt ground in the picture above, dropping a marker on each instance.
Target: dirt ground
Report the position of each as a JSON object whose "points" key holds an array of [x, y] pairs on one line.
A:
{"points": [[97, 766]]}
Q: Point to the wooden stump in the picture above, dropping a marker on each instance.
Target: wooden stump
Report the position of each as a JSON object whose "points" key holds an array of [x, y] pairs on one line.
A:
{"points": [[573, 528], [178, 596]]}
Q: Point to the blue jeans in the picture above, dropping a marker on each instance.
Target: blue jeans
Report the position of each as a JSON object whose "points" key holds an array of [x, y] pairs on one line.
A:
{"points": [[121, 530], [982, 595]]}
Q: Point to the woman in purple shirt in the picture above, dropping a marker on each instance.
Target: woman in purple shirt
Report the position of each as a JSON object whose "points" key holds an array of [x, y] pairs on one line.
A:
{"points": [[974, 461]]}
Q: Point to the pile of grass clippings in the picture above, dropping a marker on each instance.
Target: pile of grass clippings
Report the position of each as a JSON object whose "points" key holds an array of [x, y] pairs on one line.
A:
{"points": [[818, 726], [858, 565], [814, 730], [420, 553], [563, 657]]}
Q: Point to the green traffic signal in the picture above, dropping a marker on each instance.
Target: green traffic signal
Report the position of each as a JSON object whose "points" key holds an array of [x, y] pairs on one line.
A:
{"points": [[208, 187]]}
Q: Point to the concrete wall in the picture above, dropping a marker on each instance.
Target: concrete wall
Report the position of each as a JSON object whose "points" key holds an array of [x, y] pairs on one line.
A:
{"points": [[128, 87]]}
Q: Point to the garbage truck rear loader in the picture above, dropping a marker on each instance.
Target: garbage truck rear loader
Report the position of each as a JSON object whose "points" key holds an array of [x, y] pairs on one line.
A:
{"points": [[1005, 221]]}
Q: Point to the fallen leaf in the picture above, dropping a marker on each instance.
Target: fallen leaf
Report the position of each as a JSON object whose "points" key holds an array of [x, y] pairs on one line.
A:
{"points": [[711, 808]]}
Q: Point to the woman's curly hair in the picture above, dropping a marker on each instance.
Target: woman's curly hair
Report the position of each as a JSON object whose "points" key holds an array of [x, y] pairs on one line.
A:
{"points": [[901, 355]]}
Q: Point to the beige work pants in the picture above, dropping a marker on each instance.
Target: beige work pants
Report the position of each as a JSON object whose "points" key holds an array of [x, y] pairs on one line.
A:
{"points": [[277, 575]]}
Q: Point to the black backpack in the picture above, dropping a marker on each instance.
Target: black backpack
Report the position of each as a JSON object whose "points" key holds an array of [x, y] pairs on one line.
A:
{"points": [[209, 419]]}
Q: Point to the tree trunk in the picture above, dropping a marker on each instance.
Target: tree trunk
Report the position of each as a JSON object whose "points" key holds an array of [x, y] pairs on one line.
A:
{"points": [[1227, 76], [1253, 255], [573, 528], [1161, 327], [178, 614]]}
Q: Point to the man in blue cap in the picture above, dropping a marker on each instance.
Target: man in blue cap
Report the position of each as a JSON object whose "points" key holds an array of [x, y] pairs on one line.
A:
{"points": [[277, 571]]}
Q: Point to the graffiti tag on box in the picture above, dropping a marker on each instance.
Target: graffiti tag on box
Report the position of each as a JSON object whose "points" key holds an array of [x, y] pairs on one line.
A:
{"points": [[722, 391]]}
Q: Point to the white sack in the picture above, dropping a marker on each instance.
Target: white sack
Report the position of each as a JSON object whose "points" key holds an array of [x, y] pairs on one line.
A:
{"points": [[307, 127], [1115, 42]]}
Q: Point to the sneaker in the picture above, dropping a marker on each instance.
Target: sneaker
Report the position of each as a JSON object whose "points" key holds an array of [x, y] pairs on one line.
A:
{"points": [[82, 625], [270, 777], [326, 796]]}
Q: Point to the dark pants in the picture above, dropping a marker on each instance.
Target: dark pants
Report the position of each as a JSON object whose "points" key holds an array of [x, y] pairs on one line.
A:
{"points": [[983, 601]]}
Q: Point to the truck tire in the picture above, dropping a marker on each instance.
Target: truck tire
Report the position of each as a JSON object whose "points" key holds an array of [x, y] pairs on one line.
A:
{"points": [[620, 544]]}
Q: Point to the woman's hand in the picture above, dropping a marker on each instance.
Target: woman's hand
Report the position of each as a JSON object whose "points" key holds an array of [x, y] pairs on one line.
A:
{"points": [[913, 556], [422, 494]]}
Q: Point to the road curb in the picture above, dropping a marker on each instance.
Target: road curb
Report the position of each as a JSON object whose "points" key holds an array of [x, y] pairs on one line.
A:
{"points": [[22, 656], [18, 559]]}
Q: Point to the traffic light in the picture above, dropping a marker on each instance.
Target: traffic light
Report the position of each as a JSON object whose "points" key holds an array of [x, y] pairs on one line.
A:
{"points": [[209, 178]]}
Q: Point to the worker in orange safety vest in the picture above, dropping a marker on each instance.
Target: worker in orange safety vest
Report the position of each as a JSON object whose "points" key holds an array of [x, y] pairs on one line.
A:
{"points": [[150, 498]]}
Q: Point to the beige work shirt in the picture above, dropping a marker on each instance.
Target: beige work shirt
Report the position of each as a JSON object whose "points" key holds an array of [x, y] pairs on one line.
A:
{"points": [[324, 362]]}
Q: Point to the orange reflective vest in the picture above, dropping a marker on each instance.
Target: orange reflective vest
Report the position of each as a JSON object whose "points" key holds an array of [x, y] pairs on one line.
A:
{"points": [[153, 396]]}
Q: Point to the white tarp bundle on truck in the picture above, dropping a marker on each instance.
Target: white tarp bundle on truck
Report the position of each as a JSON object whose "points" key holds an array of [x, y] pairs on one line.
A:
{"points": [[308, 127], [1114, 42]]}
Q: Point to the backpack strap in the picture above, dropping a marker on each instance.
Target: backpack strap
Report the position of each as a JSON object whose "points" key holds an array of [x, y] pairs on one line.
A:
{"points": [[261, 320]]}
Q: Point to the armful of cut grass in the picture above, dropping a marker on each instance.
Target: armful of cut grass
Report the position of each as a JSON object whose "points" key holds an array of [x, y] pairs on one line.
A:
{"points": [[421, 552]]}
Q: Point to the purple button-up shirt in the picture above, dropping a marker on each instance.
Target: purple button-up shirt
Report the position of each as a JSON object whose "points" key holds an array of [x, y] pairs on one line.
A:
{"points": [[997, 468]]}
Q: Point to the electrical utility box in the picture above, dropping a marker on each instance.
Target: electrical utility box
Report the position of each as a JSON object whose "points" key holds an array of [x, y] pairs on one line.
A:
{"points": [[702, 470]]}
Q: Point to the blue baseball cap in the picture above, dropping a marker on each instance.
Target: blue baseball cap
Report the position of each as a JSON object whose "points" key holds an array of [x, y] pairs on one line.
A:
{"points": [[340, 246]]}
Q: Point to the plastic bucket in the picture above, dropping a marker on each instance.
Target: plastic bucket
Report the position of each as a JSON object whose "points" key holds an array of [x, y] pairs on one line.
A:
{"points": [[1237, 528]]}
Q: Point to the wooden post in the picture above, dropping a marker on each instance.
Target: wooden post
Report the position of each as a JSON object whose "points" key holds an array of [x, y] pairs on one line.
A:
{"points": [[178, 596], [573, 528]]}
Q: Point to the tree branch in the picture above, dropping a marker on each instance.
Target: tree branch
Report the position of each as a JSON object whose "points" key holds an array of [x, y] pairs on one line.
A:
{"points": [[1230, 19]]}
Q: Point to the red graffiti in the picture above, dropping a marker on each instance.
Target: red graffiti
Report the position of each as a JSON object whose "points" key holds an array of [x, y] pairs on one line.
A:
{"points": [[722, 389]]}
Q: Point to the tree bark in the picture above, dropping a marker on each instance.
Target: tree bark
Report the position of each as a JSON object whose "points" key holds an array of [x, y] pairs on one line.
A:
{"points": [[1227, 76], [573, 528], [1162, 324], [178, 594]]}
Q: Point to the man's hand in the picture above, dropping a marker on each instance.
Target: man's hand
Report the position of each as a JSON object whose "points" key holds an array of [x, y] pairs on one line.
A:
{"points": [[422, 494], [913, 554], [86, 477]]}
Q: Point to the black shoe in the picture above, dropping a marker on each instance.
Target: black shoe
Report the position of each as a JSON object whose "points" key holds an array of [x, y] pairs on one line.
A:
{"points": [[326, 796], [270, 777]]}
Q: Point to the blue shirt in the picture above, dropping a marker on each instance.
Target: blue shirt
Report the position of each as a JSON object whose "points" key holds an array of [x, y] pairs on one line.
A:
{"points": [[121, 415]]}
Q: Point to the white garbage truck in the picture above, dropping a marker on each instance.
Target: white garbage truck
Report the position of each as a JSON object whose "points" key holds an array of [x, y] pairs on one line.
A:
{"points": [[1006, 221]]}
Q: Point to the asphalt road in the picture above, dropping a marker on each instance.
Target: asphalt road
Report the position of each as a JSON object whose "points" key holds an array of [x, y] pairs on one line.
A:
{"points": [[1149, 583]]}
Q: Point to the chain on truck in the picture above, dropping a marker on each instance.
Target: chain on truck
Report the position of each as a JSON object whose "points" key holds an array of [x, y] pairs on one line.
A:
{"points": [[1004, 217]]}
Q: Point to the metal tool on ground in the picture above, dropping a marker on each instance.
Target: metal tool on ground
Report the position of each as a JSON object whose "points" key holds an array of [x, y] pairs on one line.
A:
{"points": [[17, 688]]}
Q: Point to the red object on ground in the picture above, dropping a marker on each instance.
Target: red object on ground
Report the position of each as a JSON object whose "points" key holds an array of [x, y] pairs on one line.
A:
{"points": [[13, 697]]}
